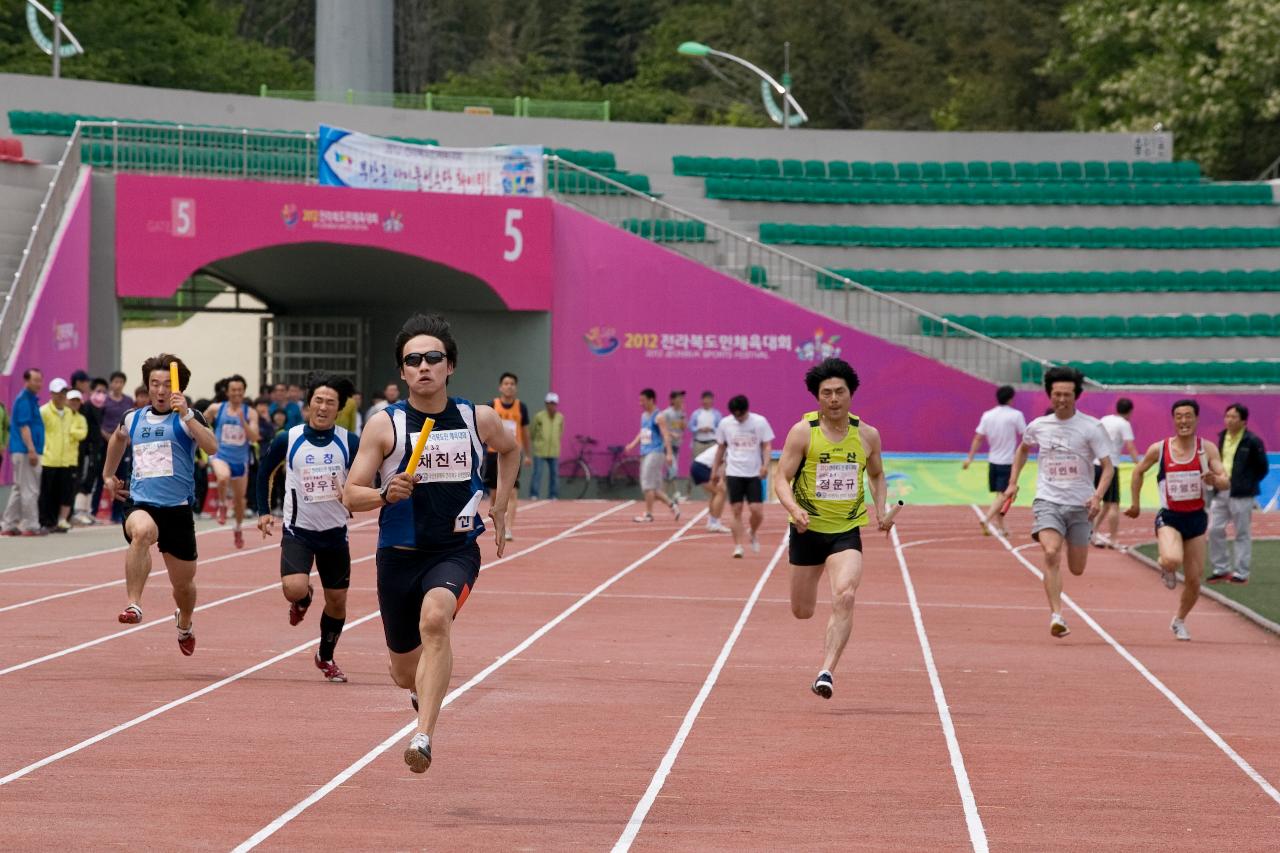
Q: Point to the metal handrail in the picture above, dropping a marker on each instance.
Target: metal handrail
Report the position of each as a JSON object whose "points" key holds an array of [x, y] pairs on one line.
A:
{"points": [[17, 302], [950, 330]]}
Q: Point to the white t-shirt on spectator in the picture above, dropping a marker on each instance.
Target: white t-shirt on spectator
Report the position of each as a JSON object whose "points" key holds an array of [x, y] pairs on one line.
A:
{"points": [[1067, 450], [703, 422], [743, 444], [1118, 430], [1001, 427]]}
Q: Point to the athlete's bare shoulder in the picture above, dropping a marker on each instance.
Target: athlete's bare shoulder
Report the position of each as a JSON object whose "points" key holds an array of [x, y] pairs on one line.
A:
{"points": [[870, 436]]}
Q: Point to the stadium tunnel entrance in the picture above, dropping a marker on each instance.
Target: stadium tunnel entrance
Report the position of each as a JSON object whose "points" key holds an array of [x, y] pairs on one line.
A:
{"points": [[334, 273]]}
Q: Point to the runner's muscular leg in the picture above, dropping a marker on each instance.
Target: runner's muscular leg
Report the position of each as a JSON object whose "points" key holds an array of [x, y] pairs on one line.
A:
{"points": [[844, 571], [143, 533], [182, 576], [804, 590], [1051, 543], [1193, 559]]}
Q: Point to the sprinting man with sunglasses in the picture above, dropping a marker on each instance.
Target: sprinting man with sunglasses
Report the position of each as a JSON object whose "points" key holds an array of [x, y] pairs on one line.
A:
{"points": [[428, 558]]}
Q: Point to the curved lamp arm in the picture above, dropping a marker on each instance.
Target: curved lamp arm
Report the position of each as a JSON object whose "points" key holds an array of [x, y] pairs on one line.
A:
{"points": [[693, 48]]}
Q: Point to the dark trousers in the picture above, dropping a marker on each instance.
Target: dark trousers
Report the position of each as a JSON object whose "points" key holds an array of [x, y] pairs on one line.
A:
{"points": [[57, 488]]}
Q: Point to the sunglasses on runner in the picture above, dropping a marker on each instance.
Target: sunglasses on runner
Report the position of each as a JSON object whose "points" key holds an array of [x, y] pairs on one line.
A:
{"points": [[413, 359]]}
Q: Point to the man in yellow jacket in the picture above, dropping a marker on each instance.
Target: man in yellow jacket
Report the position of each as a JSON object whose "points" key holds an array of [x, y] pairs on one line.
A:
{"points": [[64, 429]]}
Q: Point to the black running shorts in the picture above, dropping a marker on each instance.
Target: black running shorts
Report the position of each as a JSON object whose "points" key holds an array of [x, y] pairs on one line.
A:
{"points": [[812, 548], [1112, 494], [998, 476], [332, 558], [405, 576], [176, 525], [749, 489], [1188, 524]]}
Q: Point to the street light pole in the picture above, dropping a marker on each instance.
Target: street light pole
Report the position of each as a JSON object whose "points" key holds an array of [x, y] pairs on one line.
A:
{"points": [[786, 84], [693, 48], [57, 39]]}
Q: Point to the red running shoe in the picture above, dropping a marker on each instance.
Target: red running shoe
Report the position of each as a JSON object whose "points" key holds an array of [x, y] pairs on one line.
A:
{"points": [[298, 610], [238, 535], [131, 615], [186, 639], [330, 670]]}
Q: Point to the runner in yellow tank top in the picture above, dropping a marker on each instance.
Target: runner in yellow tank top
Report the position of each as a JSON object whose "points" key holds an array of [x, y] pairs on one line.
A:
{"points": [[820, 483]]}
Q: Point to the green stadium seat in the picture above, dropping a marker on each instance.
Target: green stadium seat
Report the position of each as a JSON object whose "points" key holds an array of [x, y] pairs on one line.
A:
{"points": [[1066, 326], [1236, 325], [1114, 326], [1090, 327], [1187, 171], [1143, 171], [993, 326], [768, 168], [884, 171], [682, 164], [978, 170], [1261, 324], [1140, 327], [861, 170], [1047, 171], [838, 169], [953, 171], [792, 169], [1041, 327], [1118, 170], [815, 169], [1164, 326], [904, 172], [1017, 327], [758, 275], [1213, 326], [1032, 372], [1187, 325], [1071, 170], [931, 171], [744, 167], [1024, 172], [1001, 170]]}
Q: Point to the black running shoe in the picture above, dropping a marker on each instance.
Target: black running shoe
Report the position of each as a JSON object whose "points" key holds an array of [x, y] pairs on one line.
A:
{"points": [[823, 685]]}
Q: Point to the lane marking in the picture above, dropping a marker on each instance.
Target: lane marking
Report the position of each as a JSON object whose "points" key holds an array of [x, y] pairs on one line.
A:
{"points": [[977, 833], [274, 585], [99, 553], [18, 774], [668, 761], [1183, 708], [399, 735], [168, 706]]}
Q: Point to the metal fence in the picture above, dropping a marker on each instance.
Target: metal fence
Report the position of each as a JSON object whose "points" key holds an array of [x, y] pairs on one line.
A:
{"points": [[195, 150], [517, 106], [36, 252], [796, 280]]}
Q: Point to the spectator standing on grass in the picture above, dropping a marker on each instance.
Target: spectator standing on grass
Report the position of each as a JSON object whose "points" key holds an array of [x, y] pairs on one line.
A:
{"points": [[26, 443], [546, 434], [64, 429], [1245, 460]]}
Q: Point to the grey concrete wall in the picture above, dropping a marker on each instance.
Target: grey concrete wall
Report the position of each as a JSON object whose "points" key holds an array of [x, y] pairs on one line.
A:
{"points": [[104, 308], [639, 147], [355, 45]]}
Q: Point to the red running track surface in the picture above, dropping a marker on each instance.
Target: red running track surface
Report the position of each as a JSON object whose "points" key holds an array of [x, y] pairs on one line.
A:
{"points": [[1064, 744]]}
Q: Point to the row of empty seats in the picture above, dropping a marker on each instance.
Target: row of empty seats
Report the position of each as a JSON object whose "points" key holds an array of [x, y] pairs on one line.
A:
{"points": [[1113, 326], [1181, 171], [1168, 372], [666, 230], [982, 281], [1039, 193], [1013, 237]]}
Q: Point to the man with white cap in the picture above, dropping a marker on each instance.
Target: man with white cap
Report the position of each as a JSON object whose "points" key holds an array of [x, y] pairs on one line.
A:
{"points": [[64, 429], [545, 435]]}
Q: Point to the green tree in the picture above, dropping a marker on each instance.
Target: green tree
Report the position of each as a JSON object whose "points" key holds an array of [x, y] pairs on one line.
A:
{"points": [[1207, 70]]}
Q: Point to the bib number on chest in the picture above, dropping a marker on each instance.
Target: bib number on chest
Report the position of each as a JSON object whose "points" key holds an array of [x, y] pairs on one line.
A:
{"points": [[1182, 485], [321, 483], [232, 433], [1061, 468], [153, 459], [447, 456], [646, 436], [836, 481]]}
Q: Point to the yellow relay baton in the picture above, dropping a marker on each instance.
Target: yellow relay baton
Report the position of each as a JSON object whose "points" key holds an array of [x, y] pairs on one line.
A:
{"points": [[419, 446], [173, 377]]}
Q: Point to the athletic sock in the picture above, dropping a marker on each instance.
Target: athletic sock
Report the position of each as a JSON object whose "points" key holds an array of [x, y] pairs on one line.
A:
{"points": [[330, 631]]}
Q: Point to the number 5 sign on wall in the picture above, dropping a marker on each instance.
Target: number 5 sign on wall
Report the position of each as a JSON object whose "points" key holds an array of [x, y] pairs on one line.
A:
{"points": [[183, 222], [512, 232]]}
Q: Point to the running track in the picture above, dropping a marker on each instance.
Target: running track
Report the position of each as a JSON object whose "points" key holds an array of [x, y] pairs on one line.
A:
{"points": [[632, 687]]}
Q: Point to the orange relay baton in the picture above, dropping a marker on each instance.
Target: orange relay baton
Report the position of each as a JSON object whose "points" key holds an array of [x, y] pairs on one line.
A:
{"points": [[419, 446]]}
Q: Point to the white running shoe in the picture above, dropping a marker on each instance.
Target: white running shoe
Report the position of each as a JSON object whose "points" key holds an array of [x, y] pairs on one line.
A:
{"points": [[1058, 626], [1179, 629], [418, 753], [737, 552], [1170, 579], [506, 534], [755, 544]]}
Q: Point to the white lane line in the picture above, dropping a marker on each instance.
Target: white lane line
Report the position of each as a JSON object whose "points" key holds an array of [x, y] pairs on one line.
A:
{"points": [[977, 834], [71, 557], [17, 774], [168, 706], [1174, 699], [275, 585], [668, 761], [323, 791]]}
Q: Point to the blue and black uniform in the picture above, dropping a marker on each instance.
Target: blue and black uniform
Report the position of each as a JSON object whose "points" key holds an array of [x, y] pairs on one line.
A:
{"points": [[163, 480], [315, 463], [429, 540], [233, 438]]}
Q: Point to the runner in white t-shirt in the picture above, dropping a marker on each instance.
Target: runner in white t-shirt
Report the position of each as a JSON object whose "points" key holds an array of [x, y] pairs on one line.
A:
{"points": [[1001, 427], [744, 445], [1066, 499], [1120, 435]]}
